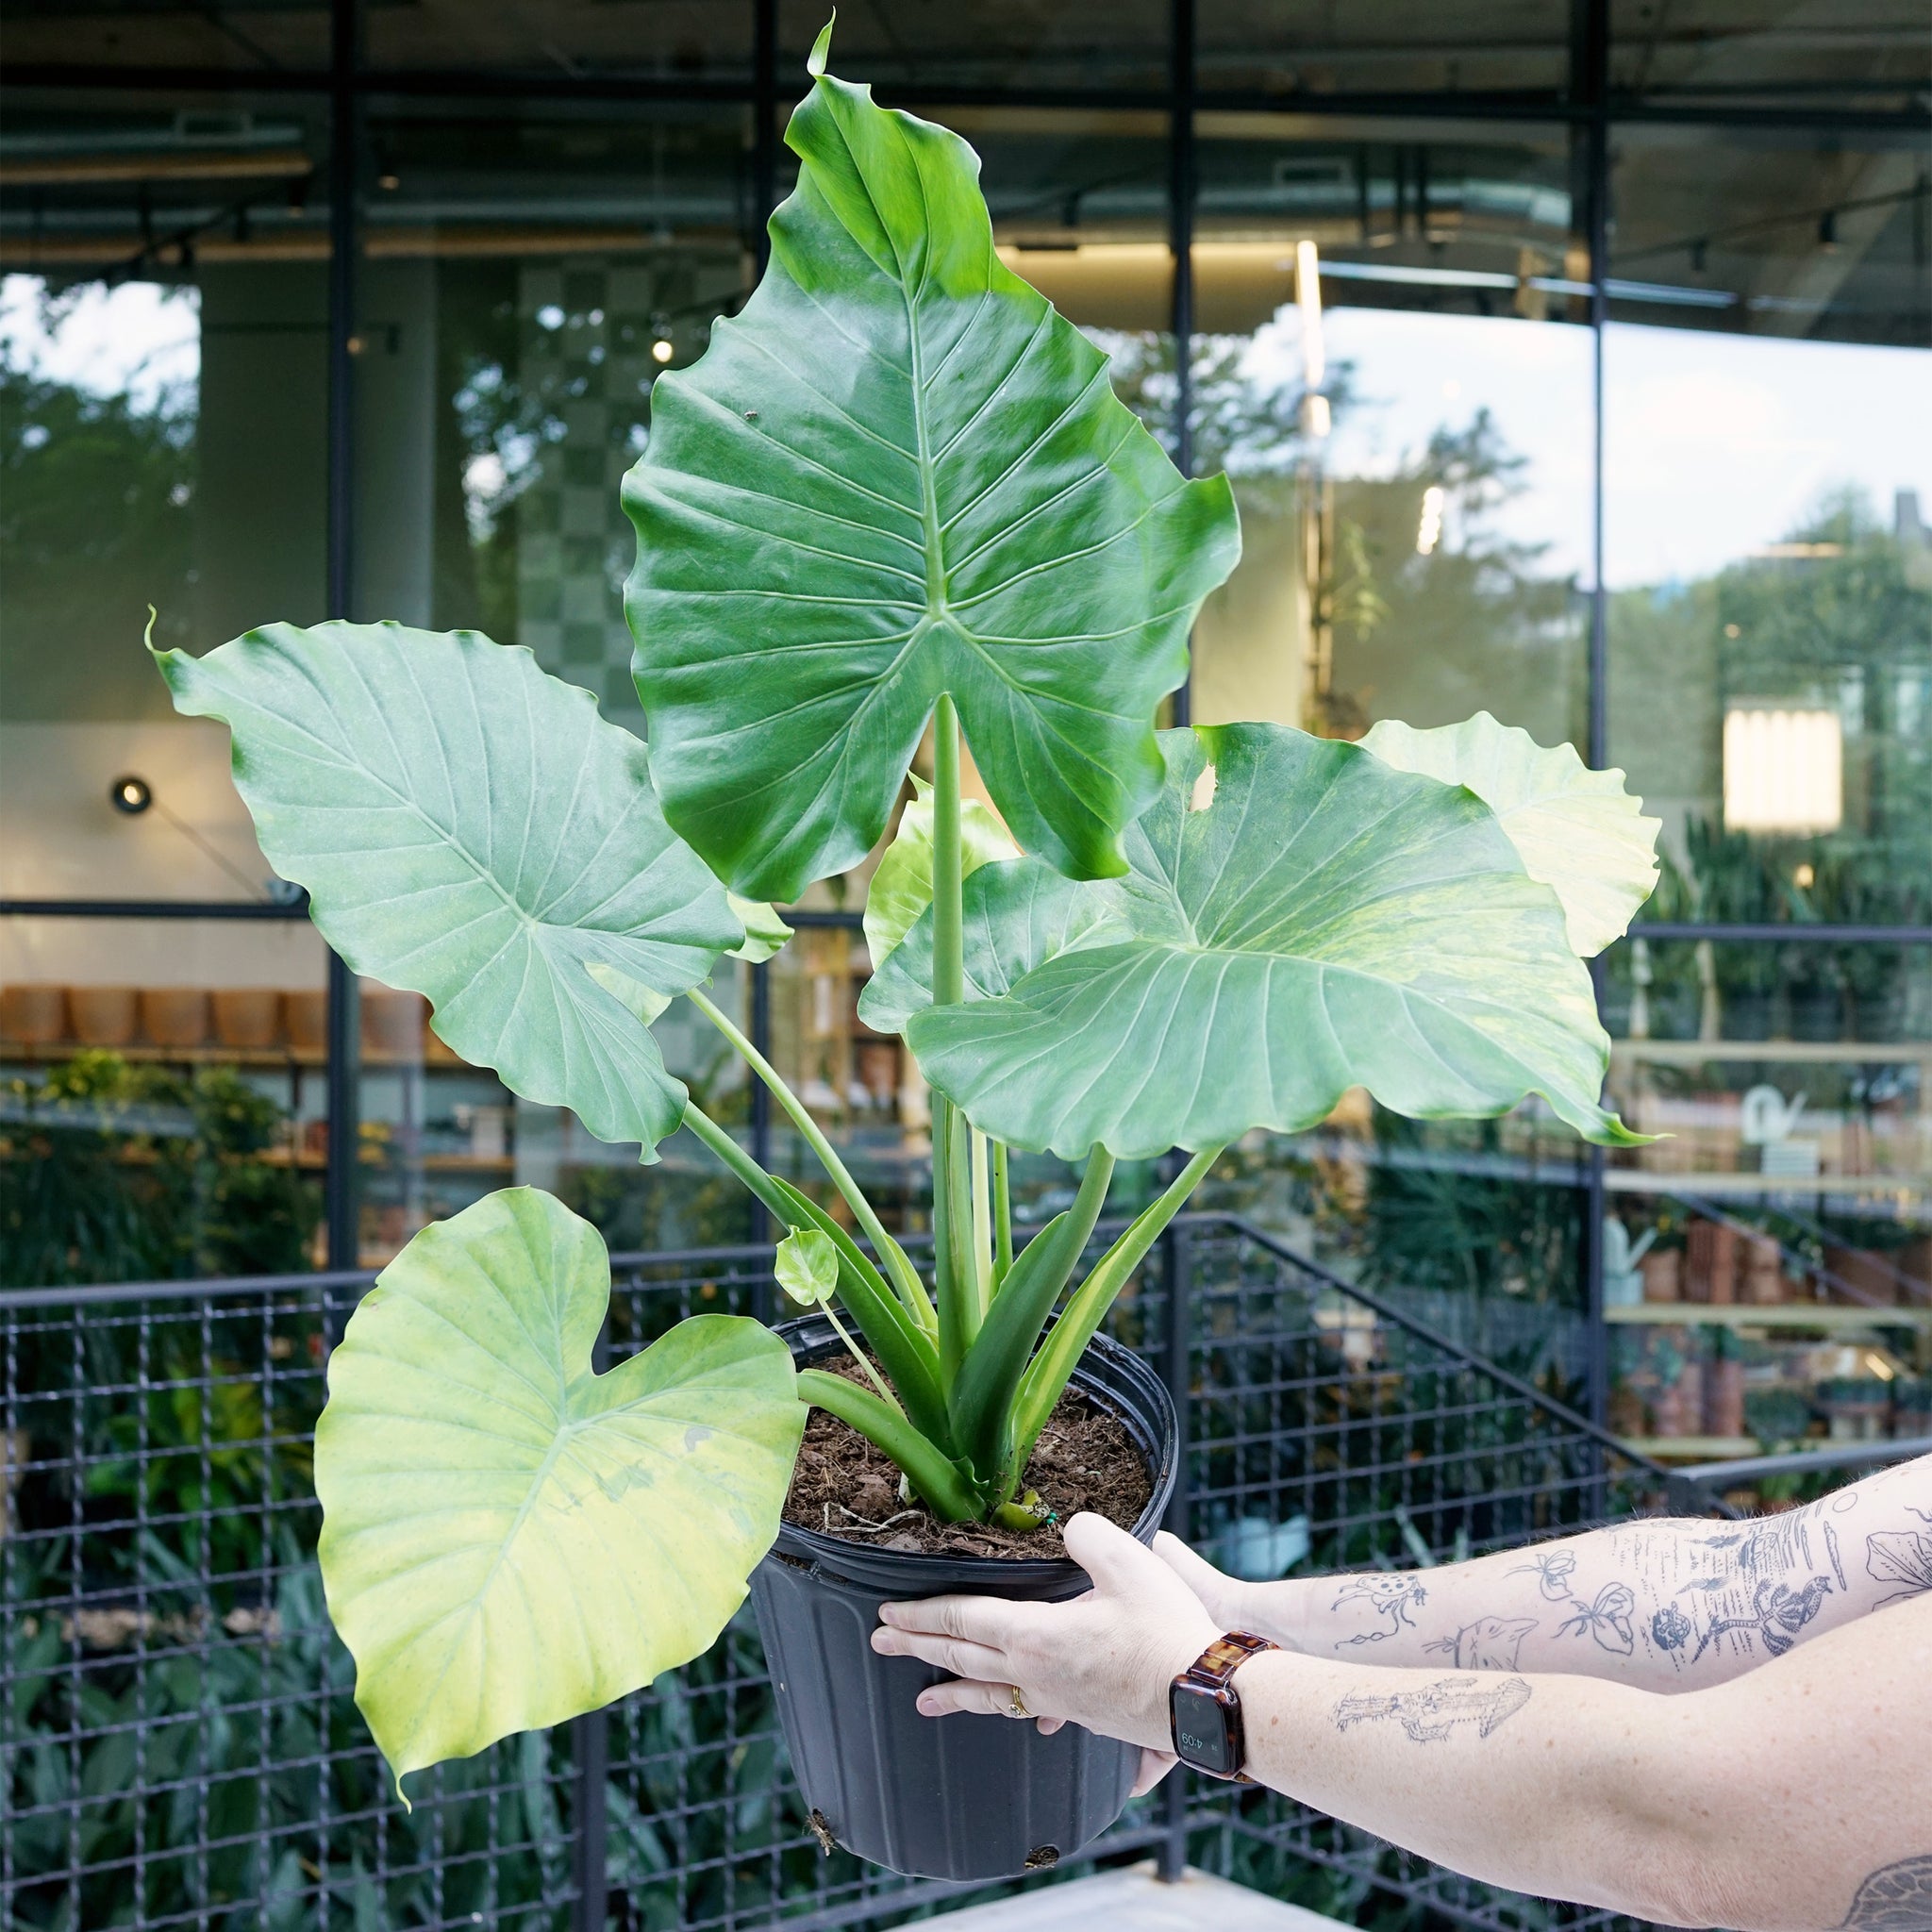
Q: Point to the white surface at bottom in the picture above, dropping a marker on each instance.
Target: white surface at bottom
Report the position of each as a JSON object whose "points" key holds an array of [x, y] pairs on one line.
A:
{"points": [[1136, 1901]]}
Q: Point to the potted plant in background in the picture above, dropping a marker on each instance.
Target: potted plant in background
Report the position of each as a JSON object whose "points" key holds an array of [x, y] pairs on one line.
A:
{"points": [[897, 492]]}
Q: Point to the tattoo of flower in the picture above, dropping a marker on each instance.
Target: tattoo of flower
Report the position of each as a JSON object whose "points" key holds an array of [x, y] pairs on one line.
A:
{"points": [[1608, 1619], [1901, 1556], [1552, 1571]]}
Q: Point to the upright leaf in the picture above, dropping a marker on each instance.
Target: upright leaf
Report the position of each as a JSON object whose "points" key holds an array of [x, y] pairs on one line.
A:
{"points": [[1578, 831], [507, 1538], [469, 829], [896, 472], [1325, 923]]}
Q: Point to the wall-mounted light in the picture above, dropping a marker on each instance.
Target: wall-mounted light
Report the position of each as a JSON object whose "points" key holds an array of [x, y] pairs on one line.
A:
{"points": [[1784, 769], [1429, 530], [130, 794]]}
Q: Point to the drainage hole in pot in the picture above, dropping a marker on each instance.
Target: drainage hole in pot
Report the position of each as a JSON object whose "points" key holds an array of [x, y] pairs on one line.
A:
{"points": [[1041, 1856], [822, 1830]]}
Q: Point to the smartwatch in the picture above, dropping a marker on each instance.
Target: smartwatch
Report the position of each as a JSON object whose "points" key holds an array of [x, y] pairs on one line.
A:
{"points": [[1205, 1709]]}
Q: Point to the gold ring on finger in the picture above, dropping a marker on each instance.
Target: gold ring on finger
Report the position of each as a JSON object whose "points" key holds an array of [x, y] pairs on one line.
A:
{"points": [[1016, 1704]]}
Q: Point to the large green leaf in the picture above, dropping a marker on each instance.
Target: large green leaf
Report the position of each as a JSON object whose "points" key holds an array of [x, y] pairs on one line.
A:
{"points": [[507, 1538], [1578, 831], [899, 473], [1325, 923], [469, 829]]}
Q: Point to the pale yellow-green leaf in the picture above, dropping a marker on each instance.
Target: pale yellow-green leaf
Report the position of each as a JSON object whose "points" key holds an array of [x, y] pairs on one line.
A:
{"points": [[1576, 830], [806, 1265], [509, 1540], [902, 887], [765, 933]]}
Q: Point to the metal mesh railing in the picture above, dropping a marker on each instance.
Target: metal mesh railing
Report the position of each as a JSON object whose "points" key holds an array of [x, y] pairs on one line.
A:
{"points": [[178, 1742]]}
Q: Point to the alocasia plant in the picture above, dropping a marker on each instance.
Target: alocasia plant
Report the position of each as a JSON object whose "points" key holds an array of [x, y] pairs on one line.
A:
{"points": [[897, 494]]}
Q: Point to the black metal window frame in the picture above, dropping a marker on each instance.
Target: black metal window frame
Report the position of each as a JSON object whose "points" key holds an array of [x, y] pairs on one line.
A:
{"points": [[1588, 105]]}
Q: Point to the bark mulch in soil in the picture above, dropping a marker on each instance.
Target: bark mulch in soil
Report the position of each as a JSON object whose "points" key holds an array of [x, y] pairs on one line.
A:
{"points": [[1084, 1460]]}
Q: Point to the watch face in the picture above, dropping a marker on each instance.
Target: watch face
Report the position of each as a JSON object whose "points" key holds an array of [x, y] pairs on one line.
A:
{"points": [[1202, 1736]]}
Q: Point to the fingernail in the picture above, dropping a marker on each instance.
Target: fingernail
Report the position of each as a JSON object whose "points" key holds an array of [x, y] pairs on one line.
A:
{"points": [[889, 1613], [928, 1705]]}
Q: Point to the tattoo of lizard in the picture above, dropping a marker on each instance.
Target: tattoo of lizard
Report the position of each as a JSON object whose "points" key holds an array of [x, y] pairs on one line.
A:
{"points": [[1433, 1711], [1895, 1898]]}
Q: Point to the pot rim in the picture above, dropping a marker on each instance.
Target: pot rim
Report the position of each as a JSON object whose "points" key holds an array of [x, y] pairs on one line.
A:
{"points": [[921, 1572]]}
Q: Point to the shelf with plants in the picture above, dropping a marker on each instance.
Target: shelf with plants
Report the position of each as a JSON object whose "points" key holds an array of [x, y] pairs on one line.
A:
{"points": [[1819, 1315]]}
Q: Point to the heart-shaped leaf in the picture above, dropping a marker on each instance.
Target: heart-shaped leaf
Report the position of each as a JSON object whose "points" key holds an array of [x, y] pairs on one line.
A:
{"points": [[469, 829], [807, 1266], [898, 473], [901, 889], [1578, 831], [507, 1538], [1325, 923]]}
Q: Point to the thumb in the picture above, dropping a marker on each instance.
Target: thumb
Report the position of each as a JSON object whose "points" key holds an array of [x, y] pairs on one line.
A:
{"points": [[1217, 1592], [1114, 1559]]}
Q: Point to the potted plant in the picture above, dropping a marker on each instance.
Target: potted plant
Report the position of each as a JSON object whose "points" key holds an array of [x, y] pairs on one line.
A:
{"points": [[896, 493]]}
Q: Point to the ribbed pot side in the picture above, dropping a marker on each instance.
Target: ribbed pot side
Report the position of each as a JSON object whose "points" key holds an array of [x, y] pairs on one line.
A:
{"points": [[957, 1797]]}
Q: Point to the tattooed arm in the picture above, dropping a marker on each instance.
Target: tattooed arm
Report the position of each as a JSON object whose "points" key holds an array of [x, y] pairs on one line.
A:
{"points": [[1661, 1603], [1798, 1797], [1791, 1799]]}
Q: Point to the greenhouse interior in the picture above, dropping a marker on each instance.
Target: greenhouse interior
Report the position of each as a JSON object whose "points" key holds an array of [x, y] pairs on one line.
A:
{"points": [[1570, 363]]}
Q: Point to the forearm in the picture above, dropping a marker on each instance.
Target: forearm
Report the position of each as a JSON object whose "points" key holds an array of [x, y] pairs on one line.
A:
{"points": [[1772, 1802], [1659, 1604], [1550, 1786]]}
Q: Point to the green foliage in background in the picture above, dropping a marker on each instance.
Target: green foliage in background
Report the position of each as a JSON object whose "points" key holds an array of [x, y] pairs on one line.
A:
{"points": [[114, 1171]]}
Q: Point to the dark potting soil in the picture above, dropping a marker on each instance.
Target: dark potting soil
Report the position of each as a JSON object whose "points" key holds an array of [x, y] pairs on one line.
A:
{"points": [[1084, 1460]]}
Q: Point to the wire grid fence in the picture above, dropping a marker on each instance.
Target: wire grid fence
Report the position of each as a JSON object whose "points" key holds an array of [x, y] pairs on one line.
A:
{"points": [[1319, 1415], [178, 1742]]}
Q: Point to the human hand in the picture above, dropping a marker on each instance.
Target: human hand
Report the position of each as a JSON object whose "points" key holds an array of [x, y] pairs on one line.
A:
{"points": [[1103, 1660], [1228, 1600]]}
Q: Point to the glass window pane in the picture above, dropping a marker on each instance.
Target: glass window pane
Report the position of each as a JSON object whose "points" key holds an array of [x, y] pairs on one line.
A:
{"points": [[565, 40], [529, 271], [1769, 1272], [163, 1107], [1384, 47], [1410, 455], [1769, 570], [162, 405], [238, 39], [1800, 235], [997, 44], [1731, 52]]}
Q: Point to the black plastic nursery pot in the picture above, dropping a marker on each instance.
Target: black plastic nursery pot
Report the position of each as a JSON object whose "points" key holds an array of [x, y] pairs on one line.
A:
{"points": [[960, 1796]]}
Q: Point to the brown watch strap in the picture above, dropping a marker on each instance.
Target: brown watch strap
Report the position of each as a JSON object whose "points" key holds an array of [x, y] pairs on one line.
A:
{"points": [[1219, 1660], [1211, 1670]]}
